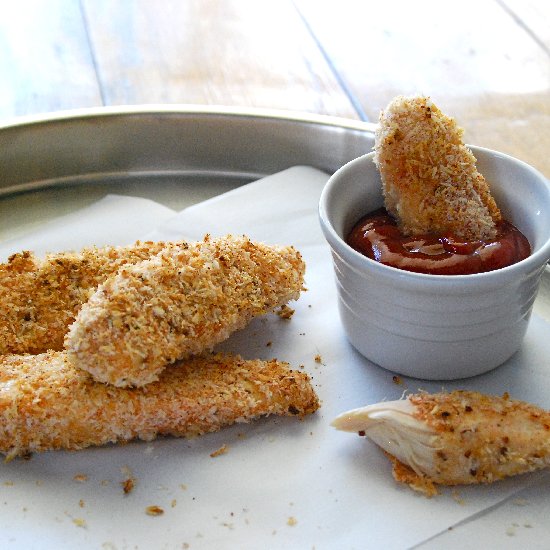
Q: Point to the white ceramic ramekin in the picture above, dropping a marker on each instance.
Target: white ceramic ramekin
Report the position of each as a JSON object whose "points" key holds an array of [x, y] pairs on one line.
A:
{"points": [[437, 327]]}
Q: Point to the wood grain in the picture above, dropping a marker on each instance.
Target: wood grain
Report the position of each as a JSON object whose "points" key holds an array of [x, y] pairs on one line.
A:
{"points": [[242, 52], [473, 58], [485, 62], [45, 61]]}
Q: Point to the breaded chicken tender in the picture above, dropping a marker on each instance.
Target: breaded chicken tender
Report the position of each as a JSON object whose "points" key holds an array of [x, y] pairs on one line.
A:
{"points": [[456, 438], [429, 177], [47, 404], [39, 298], [179, 303]]}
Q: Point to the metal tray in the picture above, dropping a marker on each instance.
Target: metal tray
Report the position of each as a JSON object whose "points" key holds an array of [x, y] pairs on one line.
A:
{"points": [[176, 155]]}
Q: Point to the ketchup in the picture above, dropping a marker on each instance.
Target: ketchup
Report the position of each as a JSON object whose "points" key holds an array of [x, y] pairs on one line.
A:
{"points": [[377, 236]]}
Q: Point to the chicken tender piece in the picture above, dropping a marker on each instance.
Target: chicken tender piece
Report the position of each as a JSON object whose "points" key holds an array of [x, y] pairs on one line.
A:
{"points": [[429, 177], [456, 438], [179, 303], [47, 404], [40, 298]]}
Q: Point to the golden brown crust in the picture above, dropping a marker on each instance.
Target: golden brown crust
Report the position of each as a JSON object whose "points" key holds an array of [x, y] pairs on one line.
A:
{"points": [[482, 438], [429, 177], [40, 298], [181, 302], [404, 474], [46, 404]]}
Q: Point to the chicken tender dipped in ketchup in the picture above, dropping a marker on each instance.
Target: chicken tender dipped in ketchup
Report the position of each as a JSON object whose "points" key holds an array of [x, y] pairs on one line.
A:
{"points": [[439, 217]]}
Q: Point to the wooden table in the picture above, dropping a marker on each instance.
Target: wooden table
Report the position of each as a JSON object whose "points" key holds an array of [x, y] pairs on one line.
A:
{"points": [[485, 62]]}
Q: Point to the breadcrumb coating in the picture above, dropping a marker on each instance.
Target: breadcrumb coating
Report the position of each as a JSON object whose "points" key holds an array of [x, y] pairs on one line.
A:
{"points": [[47, 404], [483, 438], [39, 298], [181, 302], [429, 177]]}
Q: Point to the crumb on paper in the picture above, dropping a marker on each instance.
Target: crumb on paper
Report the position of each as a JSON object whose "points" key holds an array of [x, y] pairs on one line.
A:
{"points": [[79, 522], [457, 498], [81, 478], [154, 510], [292, 521], [397, 380], [511, 531], [173, 503], [285, 312], [520, 502], [9, 483], [269, 344], [128, 485], [81, 503], [318, 358], [183, 487], [221, 451]]}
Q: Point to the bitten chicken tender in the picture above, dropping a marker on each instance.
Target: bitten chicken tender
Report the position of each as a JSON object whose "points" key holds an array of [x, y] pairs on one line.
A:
{"points": [[429, 177], [179, 303], [462, 437], [47, 404], [39, 299]]}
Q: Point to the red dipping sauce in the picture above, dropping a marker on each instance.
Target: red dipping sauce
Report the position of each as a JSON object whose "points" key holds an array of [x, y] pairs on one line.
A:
{"points": [[377, 236]]}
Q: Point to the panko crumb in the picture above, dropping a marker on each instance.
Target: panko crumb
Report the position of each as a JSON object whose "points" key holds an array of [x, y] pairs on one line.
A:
{"points": [[285, 312], [128, 485], [221, 451], [154, 510], [397, 380], [318, 358], [79, 522], [457, 497], [81, 478], [292, 521]]}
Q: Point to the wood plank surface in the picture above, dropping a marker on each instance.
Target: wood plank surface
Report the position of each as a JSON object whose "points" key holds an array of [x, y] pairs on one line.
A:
{"points": [[245, 52], [472, 57], [45, 59], [486, 62]]}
